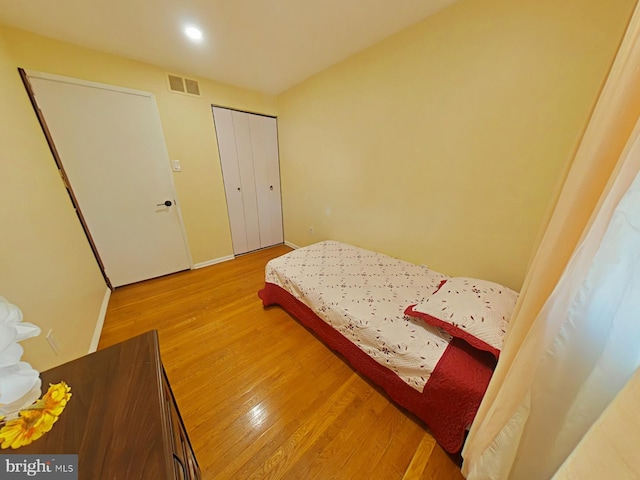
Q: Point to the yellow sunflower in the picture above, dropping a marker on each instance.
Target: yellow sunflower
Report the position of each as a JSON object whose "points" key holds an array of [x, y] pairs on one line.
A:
{"points": [[35, 420], [56, 398]]}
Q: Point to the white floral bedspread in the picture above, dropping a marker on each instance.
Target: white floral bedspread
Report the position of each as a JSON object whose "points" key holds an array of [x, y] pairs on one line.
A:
{"points": [[363, 295]]}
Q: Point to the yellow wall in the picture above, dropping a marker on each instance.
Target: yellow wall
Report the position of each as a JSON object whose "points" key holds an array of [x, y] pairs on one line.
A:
{"points": [[443, 143], [187, 123], [46, 266]]}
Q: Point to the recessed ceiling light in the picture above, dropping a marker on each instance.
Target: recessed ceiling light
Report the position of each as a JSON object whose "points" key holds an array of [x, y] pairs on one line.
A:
{"points": [[193, 33]]}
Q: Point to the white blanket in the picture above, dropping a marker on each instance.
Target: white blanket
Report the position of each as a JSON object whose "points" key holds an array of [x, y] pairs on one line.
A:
{"points": [[363, 295]]}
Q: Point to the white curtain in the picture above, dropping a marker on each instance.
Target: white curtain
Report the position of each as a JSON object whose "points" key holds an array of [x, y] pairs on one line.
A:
{"points": [[589, 333], [574, 340], [610, 448]]}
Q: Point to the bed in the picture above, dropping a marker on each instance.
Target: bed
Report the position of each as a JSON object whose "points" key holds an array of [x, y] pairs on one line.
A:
{"points": [[365, 305]]}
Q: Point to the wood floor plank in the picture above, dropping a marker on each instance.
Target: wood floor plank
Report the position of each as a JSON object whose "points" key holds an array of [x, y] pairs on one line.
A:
{"points": [[404, 434], [329, 460], [262, 397], [328, 449], [440, 466], [292, 415], [285, 415], [362, 436], [299, 441], [420, 458]]}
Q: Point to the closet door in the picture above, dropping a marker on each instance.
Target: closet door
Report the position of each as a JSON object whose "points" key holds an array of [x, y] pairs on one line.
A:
{"points": [[248, 146], [225, 131], [247, 179], [264, 145]]}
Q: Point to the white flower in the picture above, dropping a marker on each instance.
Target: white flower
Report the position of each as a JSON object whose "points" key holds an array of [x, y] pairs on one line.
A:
{"points": [[19, 387], [19, 382], [11, 316]]}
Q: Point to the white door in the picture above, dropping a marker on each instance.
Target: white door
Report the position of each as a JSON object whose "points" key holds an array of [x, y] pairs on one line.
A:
{"points": [[248, 145], [232, 183], [111, 145], [264, 146]]}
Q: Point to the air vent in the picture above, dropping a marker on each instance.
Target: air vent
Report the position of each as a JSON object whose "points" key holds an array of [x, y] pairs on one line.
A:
{"points": [[176, 83], [192, 86], [183, 85]]}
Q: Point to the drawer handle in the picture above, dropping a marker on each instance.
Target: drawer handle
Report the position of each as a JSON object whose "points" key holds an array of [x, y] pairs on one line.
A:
{"points": [[184, 469]]}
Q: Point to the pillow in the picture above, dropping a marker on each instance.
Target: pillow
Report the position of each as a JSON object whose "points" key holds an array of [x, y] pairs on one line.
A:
{"points": [[477, 311]]}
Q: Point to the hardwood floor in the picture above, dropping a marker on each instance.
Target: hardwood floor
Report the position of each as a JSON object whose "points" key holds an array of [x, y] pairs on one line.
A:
{"points": [[261, 397]]}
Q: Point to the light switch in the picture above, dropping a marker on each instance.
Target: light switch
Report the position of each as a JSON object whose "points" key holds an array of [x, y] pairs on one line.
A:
{"points": [[176, 165]]}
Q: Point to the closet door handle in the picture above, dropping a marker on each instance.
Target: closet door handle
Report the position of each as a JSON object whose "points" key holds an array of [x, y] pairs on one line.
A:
{"points": [[271, 187], [238, 188], [164, 204]]}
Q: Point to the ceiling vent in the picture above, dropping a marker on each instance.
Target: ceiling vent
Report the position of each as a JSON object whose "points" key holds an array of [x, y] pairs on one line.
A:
{"points": [[186, 86]]}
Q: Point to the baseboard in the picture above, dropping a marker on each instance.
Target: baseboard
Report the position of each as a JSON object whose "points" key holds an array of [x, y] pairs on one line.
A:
{"points": [[292, 245], [213, 262], [99, 324]]}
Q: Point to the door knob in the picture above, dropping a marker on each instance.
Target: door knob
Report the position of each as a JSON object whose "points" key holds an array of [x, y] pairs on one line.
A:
{"points": [[238, 188], [166, 203], [271, 187]]}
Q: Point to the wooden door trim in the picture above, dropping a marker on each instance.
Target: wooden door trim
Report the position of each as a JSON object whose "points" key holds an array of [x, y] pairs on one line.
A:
{"points": [[63, 175]]}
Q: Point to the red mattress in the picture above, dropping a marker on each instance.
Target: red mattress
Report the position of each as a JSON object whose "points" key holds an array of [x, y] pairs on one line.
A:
{"points": [[451, 396]]}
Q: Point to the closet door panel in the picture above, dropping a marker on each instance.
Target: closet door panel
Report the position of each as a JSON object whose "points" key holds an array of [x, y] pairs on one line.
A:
{"points": [[247, 179], [273, 173], [231, 176], [265, 158]]}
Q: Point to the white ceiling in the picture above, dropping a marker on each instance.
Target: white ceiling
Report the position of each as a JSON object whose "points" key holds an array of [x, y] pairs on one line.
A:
{"points": [[265, 45]]}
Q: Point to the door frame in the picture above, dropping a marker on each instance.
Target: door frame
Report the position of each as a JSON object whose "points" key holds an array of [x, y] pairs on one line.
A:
{"points": [[25, 75]]}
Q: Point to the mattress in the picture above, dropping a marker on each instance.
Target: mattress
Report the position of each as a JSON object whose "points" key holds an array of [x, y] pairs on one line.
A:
{"points": [[353, 300]]}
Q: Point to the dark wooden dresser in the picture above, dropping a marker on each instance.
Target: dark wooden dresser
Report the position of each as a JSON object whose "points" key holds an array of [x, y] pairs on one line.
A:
{"points": [[122, 419]]}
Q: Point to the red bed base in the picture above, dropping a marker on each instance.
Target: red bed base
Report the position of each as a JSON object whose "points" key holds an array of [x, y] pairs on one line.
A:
{"points": [[450, 398]]}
